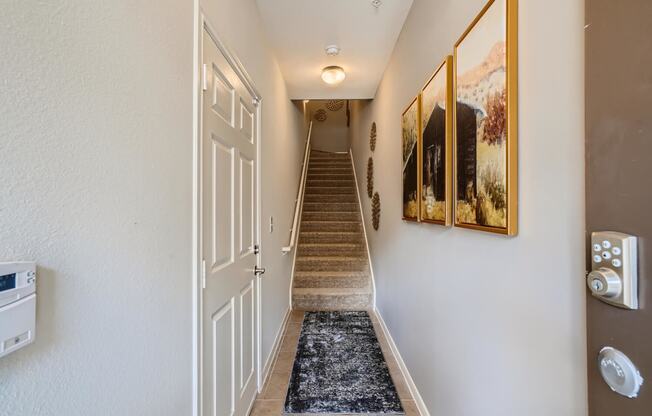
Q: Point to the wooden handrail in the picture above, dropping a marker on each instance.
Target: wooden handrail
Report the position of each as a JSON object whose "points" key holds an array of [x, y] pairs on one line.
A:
{"points": [[299, 200]]}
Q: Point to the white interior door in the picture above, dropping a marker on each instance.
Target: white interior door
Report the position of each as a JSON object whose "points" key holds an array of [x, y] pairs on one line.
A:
{"points": [[229, 226]]}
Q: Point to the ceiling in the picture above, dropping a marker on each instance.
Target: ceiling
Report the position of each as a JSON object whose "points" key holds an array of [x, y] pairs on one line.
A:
{"points": [[299, 31]]}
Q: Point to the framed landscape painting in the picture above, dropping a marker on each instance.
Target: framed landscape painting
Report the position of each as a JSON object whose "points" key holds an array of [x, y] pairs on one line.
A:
{"points": [[485, 82], [435, 148], [410, 139]]}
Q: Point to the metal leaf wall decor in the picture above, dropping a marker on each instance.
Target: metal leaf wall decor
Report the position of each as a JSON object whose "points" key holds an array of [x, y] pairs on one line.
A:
{"points": [[375, 211], [320, 115], [335, 105], [370, 177], [372, 137]]}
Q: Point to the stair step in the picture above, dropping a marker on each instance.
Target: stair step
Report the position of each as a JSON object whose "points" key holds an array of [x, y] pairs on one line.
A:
{"points": [[331, 176], [330, 206], [324, 279], [331, 249], [350, 226], [330, 190], [331, 158], [331, 216], [334, 263], [312, 197], [330, 162], [319, 172], [314, 299], [331, 169], [308, 237], [321, 183], [320, 153], [336, 158]]}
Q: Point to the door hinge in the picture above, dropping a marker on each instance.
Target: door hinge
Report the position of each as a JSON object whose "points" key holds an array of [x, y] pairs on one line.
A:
{"points": [[203, 274], [204, 77]]}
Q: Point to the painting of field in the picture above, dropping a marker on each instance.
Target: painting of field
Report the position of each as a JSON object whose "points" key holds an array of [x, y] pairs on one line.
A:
{"points": [[410, 134], [434, 147], [481, 122]]}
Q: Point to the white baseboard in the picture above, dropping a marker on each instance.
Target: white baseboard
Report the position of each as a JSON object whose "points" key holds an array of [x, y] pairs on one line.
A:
{"points": [[269, 362], [423, 410]]}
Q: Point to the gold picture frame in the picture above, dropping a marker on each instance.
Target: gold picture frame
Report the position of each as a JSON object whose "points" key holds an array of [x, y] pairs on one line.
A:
{"points": [[436, 181], [410, 125], [486, 167]]}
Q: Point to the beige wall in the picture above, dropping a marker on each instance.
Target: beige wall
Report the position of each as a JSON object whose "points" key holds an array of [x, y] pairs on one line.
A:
{"points": [[489, 325], [96, 143], [331, 135]]}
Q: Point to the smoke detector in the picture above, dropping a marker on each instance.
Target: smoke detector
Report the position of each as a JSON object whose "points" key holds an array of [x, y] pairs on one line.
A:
{"points": [[332, 50], [376, 3]]}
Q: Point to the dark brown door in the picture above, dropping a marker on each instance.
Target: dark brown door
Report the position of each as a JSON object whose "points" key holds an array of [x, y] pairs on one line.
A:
{"points": [[619, 182]]}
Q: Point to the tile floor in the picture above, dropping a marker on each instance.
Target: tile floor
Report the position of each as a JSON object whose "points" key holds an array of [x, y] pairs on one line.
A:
{"points": [[270, 401]]}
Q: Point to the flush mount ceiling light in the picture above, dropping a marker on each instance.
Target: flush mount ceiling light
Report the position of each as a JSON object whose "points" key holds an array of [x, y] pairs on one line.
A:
{"points": [[333, 74]]}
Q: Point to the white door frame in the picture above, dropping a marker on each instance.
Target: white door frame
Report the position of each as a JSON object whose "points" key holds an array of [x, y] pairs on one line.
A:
{"points": [[201, 24]]}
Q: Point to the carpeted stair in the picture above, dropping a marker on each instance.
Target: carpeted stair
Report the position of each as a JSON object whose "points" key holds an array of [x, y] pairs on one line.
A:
{"points": [[332, 268]]}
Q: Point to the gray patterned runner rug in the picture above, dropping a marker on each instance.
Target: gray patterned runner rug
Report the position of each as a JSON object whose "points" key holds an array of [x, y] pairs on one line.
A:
{"points": [[340, 369]]}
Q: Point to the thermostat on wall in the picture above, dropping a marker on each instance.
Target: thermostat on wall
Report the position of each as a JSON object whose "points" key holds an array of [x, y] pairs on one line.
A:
{"points": [[17, 305]]}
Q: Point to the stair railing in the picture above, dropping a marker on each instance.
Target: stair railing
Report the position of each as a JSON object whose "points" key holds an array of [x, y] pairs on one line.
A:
{"points": [[299, 201]]}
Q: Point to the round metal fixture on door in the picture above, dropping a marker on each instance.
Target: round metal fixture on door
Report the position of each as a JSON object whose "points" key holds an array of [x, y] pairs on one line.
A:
{"points": [[619, 372], [604, 282]]}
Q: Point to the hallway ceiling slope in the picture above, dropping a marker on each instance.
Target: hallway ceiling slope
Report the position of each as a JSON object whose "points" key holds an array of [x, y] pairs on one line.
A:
{"points": [[300, 30]]}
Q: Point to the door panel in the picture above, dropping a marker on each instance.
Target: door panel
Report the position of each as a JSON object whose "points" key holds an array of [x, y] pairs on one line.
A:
{"points": [[223, 373], [229, 228], [247, 122], [247, 175], [618, 187], [223, 95], [247, 308], [223, 207]]}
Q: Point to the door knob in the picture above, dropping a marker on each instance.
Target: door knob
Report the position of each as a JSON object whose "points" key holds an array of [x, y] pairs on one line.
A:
{"points": [[259, 270], [619, 372]]}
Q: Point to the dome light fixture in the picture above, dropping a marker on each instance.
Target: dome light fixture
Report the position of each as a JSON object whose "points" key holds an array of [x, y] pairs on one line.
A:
{"points": [[333, 74]]}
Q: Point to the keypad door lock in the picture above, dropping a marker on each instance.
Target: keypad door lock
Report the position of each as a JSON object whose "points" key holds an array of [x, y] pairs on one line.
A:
{"points": [[613, 276]]}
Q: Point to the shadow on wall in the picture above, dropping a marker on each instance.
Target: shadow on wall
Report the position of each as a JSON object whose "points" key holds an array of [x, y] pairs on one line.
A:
{"points": [[330, 129]]}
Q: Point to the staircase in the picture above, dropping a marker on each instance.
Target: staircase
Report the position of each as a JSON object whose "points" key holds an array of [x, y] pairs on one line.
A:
{"points": [[332, 267]]}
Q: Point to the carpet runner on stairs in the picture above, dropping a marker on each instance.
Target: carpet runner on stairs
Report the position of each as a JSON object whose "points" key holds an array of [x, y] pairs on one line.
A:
{"points": [[332, 267]]}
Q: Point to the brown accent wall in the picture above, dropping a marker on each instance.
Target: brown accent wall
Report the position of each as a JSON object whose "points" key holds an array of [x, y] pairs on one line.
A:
{"points": [[619, 181]]}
